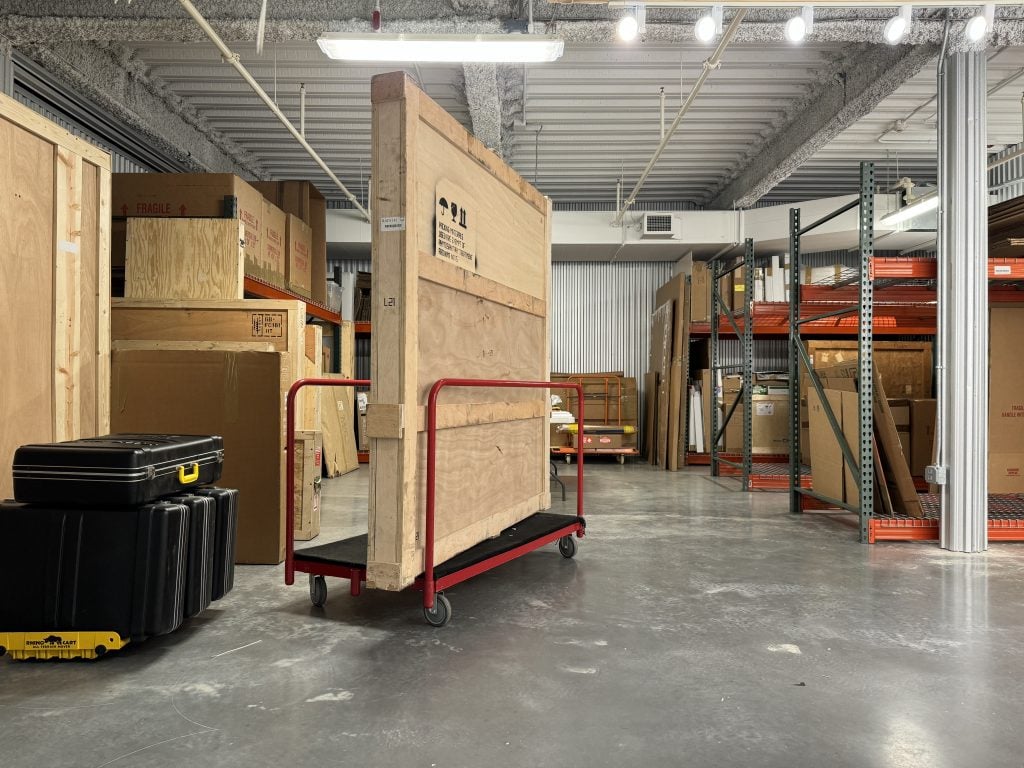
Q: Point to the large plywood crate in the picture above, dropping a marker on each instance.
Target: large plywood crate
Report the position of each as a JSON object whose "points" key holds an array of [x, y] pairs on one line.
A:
{"points": [[54, 285], [466, 299]]}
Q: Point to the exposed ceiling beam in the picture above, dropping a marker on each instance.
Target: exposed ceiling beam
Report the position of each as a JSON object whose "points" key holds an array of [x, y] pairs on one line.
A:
{"points": [[848, 91], [110, 77]]}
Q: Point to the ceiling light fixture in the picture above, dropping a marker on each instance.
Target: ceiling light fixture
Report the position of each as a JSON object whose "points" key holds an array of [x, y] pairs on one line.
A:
{"points": [[798, 27], [633, 24], [912, 210], [512, 48], [709, 25], [896, 27], [981, 24]]}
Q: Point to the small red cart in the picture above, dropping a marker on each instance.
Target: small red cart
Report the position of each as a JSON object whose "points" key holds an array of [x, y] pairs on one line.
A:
{"points": [[346, 559]]}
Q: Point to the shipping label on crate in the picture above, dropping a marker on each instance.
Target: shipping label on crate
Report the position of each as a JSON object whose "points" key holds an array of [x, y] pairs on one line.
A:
{"points": [[268, 325], [454, 225]]}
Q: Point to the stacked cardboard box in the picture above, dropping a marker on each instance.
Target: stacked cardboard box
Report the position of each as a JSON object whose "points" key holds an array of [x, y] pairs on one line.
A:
{"points": [[1006, 402]]}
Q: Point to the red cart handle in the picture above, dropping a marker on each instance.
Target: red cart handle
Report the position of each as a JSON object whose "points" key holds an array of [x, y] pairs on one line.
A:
{"points": [[289, 526], [428, 546]]}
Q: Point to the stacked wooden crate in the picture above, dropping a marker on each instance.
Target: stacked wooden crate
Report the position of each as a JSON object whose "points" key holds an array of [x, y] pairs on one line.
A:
{"points": [[55, 285]]}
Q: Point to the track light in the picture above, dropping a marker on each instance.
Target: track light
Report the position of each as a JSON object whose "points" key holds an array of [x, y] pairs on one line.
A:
{"points": [[709, 25], [896, 27], [981, 24], [634, 23], [798, 26]]}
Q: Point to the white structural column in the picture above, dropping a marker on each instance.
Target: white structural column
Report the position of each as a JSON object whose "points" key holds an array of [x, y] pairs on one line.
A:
{"points": [[963, 302]]}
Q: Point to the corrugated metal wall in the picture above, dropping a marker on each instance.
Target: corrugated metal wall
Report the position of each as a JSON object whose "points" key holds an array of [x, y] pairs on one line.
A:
{"points": [[1007, 180], [601, 317]]}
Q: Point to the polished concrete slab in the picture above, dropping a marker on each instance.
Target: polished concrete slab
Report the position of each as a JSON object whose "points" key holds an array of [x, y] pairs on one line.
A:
{"points": [[697, 626]]}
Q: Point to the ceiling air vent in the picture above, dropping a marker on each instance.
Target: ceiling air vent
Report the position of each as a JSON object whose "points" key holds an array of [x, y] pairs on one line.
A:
{"points": [[659, 225]]}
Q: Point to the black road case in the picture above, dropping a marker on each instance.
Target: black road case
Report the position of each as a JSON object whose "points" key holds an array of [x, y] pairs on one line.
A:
{"points": [[202, 539], [116, 570], [224, 547], [115, 470]]}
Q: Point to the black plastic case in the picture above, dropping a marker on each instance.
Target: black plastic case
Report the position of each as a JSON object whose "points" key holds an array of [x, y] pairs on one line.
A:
{"points": [[115, 470], [202, 535], [120, 570], [226, 534]]}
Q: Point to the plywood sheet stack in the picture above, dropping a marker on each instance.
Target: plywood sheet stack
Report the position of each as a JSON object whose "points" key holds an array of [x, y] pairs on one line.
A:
{"points": [[54, 284], [461, 280], [667, 395]]}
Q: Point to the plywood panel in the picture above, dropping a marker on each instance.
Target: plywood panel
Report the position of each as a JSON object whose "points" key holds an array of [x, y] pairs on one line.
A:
{"points": [[434, 319], [185, 259], [26, 291], [905, 366]]}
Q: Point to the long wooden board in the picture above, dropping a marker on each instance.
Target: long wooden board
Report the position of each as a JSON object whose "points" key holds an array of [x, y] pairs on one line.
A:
{"points": [[677, 291], [483, 316], [54, 285]]}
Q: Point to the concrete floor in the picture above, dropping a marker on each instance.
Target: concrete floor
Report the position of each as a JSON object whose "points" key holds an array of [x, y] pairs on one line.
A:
{"points": [[697, 626]]}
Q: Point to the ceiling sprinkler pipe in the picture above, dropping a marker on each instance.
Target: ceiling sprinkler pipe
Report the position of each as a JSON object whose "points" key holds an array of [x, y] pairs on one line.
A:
{"points": [[232, 58]]}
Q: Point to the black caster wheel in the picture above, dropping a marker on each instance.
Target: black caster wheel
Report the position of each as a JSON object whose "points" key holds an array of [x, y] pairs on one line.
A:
{"points": [[441, 614], [317, 590], [567, 546]]}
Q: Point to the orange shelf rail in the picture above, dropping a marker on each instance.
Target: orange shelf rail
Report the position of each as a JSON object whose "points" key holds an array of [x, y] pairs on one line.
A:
{"points": [[263, 290]]}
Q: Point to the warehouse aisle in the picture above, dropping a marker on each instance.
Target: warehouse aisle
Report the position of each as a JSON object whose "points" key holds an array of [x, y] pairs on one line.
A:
{"points": [[697, 625]]}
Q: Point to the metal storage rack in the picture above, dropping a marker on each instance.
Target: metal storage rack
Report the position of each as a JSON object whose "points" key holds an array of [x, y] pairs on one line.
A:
{"points": [[761, 472], [864, 474]]}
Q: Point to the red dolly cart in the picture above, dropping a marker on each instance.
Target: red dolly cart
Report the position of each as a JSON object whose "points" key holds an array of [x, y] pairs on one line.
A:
{"points": [[347, 558]]}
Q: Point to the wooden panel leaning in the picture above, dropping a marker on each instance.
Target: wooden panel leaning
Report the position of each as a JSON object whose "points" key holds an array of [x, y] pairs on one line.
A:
{"points": [[54, 284], [461, 288]]}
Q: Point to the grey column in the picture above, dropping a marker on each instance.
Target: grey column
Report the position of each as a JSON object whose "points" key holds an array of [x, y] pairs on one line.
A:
{"points": [[963, 302], [6, 68]]}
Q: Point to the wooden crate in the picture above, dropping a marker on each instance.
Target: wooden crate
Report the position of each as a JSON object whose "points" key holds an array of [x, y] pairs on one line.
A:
{"points": [[312, 368], [185, 259], [257, 325], [307, 464], [54, 285], [482, 313]]}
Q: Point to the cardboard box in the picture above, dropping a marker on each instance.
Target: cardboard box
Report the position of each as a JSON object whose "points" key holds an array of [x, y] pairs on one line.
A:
{"points": [[769, 426], [826, 454], [1006, 402], [303, 199], [851, 429], [238, 395], [900, 409], [922, 435], [298, 248], [700, 293], [272, 266], [198, 195], [307, 464], [560, 438]]}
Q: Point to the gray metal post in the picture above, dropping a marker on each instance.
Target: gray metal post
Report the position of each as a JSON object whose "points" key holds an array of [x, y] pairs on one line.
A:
{"points": [[748, 362], [865, 345], [963, 302], [795, 500], [6, 68], [716, 308]]}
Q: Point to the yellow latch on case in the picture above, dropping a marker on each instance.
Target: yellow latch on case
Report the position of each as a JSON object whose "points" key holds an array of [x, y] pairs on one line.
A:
{"points": [[188, 476]]}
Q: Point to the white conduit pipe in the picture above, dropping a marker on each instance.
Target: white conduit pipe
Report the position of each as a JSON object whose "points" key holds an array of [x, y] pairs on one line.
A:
{"points": [[232, 59], [709, 66]]}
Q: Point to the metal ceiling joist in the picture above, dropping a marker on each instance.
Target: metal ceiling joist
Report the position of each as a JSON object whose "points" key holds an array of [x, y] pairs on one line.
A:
{"points": [[849, 91]]}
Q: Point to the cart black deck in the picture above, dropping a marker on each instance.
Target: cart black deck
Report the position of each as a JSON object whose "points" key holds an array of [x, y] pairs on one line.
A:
{"points": [[351, 553]]}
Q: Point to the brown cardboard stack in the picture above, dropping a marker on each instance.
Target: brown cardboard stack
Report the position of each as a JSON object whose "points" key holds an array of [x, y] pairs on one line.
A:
{"points": [[1006, 402], [770, 417], [302, 199], [666, 395], [307, 464]]}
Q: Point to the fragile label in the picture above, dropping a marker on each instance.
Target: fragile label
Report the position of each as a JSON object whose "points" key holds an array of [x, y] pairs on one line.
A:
{"points": [[392, 223], [454, 225], [268, 325], [1003, 269], [764, 409]]}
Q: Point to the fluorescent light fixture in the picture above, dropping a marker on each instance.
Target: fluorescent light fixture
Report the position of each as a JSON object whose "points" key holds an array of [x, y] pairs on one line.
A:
{"points": [[798, 26], [628, 28], [633, 24], [981, 24], [897, 26], [374, 46], [709, 25], [920, 206]]}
